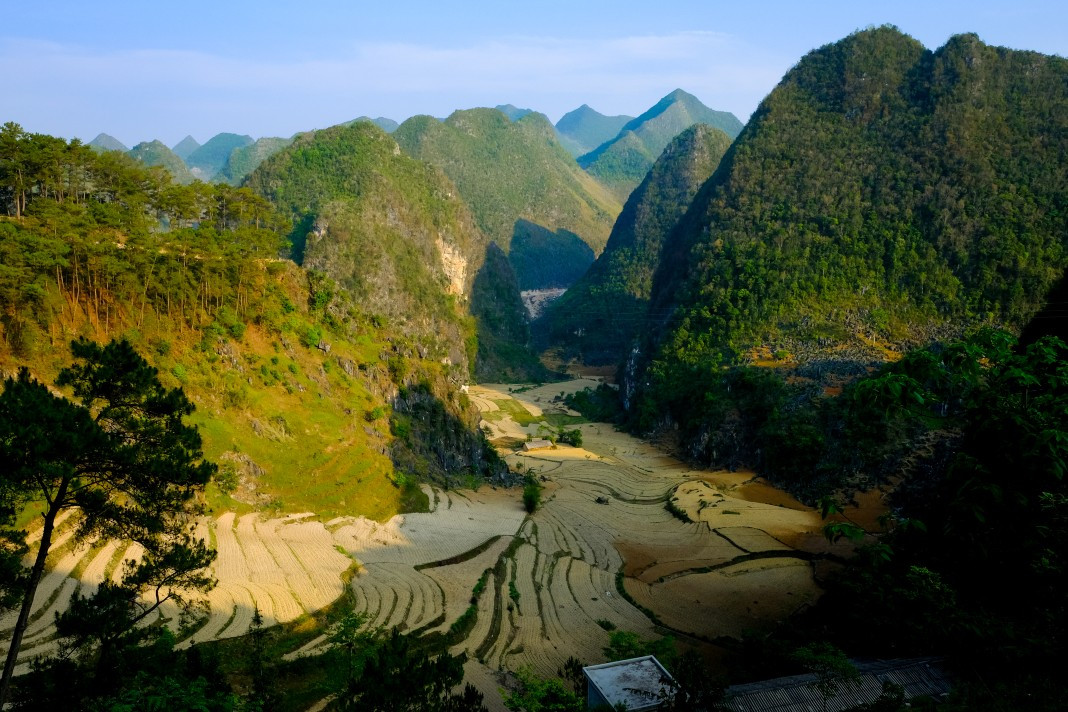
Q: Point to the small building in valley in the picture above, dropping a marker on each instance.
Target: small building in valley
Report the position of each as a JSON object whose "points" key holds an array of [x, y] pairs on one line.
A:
{"points": [[637, 683], [536, 444]]}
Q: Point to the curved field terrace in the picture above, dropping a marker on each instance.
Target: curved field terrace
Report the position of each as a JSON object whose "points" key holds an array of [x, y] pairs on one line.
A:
{"points": [[510, 589]]}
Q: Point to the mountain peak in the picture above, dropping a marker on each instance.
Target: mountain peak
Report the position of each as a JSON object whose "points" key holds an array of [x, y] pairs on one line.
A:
{"points": [[156, 153], [104, 142], [585, 128], [185, 147], [622, 162], [512, 111]]}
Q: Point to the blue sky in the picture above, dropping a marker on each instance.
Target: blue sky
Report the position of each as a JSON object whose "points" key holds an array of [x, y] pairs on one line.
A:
{"points": [[144, 70]]}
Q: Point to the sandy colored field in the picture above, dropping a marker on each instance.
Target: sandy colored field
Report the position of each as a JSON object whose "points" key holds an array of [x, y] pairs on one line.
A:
{"points": [[733, 568], [742, 563]]}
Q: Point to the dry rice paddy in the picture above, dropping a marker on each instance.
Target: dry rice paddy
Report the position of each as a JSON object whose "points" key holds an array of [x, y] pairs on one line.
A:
{"points": [[549, 578]]}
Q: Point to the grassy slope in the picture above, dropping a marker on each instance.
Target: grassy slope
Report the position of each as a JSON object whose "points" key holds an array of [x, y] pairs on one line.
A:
{"points": [[334, 459]]}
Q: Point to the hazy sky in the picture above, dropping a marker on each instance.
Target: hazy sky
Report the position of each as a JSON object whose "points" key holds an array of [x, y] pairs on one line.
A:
{"points": [[159, 69]]}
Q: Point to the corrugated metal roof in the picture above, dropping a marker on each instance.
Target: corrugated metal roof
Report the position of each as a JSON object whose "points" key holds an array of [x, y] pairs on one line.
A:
{"points": [[918, 677]]}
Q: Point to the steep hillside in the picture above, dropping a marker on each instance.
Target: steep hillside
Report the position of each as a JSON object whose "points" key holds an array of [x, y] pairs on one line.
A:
{"points": [[584, 129], [184, 148], [385, 226], [600, 315], [510, 172], [206, 161], [104, 142], [271, 354], [622, 162], [882, 196], [387, 125], [245, 159], [155, 153], [503, 328], [544, 259]]}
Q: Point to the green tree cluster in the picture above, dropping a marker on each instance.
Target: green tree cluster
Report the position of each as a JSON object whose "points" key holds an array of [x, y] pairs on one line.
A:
{"points": [[99, 235], [969, 564], [122, 456]]}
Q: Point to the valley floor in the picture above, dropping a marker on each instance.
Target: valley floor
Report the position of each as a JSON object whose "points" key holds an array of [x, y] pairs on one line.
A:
{"points": [[743, 563]]}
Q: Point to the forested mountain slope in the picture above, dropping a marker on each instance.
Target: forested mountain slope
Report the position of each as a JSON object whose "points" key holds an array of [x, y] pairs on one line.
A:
{"points": [[245, 159], [269, 352], [599, 316], [509, 172], [622, 162], [390, 229], [385, 226], [882, 196]]}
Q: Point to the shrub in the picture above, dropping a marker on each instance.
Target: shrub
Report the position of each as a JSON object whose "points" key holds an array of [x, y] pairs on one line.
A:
{"points": [[531, 495]]}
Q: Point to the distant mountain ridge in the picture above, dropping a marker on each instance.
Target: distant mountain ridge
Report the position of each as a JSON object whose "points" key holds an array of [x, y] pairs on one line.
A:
{"points": [[513, 112], [104, 142], [387, 125], [156, 153], [185, 148], [245, 159], [207, 160], [622, 162], [584, 129]]}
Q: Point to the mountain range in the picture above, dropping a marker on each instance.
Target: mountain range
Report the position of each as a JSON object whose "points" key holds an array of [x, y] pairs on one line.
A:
{"points": [[206, 161], [622, 162], [514, 174]]}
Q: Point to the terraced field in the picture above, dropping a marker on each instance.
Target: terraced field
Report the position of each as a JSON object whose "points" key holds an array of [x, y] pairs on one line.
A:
{"points": [[508, 588]]}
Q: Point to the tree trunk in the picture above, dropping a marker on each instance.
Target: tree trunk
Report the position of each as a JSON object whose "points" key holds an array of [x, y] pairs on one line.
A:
{"points": [[31, 589]]}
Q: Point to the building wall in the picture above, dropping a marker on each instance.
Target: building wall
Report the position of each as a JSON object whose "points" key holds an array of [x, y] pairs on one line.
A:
{"points": [[593, 697]]}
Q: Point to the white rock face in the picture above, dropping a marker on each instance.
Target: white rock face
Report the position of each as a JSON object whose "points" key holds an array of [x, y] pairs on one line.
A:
{"points": [[454, 264], [535, 300]]}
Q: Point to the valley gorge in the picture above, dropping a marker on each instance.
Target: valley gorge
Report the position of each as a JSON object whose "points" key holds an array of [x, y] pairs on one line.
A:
{"points": [[531, 397]]}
